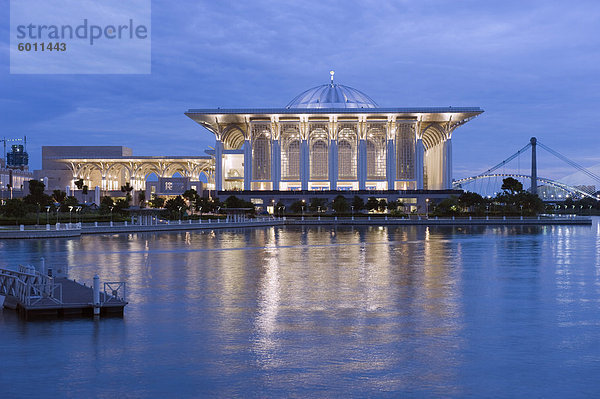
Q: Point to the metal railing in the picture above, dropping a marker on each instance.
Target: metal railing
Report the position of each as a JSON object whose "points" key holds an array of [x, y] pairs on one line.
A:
{"points": [[36, 293], [29, 286], [114, 291]]}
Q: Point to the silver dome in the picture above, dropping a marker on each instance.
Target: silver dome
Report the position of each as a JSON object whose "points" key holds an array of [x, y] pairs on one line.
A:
{"points": [[332, 95]]}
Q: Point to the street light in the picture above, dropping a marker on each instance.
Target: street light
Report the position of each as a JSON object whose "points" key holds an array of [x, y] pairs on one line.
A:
{"points": [[70, 210], [111, 211], [47, 214], [352, 207], [427, 207]]}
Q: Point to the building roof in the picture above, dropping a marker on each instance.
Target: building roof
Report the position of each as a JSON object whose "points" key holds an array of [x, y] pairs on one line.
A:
{"points": [[332, 95], [276, 111]]}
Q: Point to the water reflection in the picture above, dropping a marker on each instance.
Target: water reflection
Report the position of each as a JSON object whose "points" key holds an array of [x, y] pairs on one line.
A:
{"points": [[296, 310]]}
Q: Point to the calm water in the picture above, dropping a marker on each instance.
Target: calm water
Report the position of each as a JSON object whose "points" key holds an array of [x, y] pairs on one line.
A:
{"points": [[320, 312]]}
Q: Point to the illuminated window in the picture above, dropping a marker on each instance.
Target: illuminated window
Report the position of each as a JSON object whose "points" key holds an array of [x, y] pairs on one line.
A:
{"points": [[347, 152], [319, 148], [261, 153], [376, 151], [290, 153], [405, 152]]}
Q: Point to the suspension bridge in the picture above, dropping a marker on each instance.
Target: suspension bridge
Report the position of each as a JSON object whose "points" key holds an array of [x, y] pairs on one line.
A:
{"points": [[546, 188]]}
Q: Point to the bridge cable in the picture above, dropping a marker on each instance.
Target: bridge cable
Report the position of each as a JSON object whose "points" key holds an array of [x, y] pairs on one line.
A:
{"points": [[571, 163], [507, 160]]}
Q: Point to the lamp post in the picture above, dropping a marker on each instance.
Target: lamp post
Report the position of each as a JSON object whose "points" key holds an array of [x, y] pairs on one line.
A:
{"points": [[427, 207], [70, 210], [179, 214], [47, 214], [111, 217], [352, 207], [303, 205]]}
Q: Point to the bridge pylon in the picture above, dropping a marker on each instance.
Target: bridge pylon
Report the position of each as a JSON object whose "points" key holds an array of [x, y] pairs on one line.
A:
{"points": [[533, 188]]}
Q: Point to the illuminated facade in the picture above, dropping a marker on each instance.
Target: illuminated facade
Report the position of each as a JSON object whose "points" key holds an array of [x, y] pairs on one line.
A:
{"points": [[333, 137]]}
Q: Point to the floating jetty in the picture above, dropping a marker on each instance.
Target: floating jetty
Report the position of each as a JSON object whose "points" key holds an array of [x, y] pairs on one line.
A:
{"points": [[35, 295]]}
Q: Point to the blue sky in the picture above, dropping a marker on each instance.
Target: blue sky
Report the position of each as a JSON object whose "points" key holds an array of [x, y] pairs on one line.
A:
{"points": [[531, 65]]}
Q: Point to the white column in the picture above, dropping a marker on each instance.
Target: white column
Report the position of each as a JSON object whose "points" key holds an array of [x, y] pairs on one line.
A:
{"points": [[275, 164], [219, 165], [97, 195], [247, 165], [419, 163], [304, 164], [447, 164], [333, 164], [391, 165], [362, 164]]}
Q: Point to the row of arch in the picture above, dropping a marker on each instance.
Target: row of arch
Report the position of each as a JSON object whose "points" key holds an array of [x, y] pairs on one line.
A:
{"points": [[108, 173], [344, 150], [432, 134]]}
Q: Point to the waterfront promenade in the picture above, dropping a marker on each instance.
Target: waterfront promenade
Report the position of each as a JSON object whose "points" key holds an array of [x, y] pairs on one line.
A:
{"points": [[77, 229]]}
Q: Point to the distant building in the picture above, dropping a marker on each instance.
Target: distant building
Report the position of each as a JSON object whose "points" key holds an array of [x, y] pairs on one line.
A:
{"points": [[105, 169], [17, 158], [13, 182]]}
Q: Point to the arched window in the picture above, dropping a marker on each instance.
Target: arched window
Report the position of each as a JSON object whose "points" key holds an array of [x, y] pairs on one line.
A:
{"points": [[405, 152], [346, 164], [318, 159], [290, 151], [347, 151], [376, 155], [291, 161], [261, 158]]}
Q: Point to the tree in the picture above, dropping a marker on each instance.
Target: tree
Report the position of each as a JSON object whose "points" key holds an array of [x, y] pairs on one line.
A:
{"points": [[79, 184], [69, 201], [447, 207], [205, 205], [175, 206], [15, 208], [157, 202], [340, 204], [127, 188], [318, 204], [372, 204], [106, 204], [142, 199], [279, 208], [358, 203], [59, 196], [382, 205], [393, 206], [471, 202], [511, 185], [297, 206], [192, 197], [36, 198]]}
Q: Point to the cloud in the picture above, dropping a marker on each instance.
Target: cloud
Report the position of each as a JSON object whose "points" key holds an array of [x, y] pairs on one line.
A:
{"points": [[531, 65]]}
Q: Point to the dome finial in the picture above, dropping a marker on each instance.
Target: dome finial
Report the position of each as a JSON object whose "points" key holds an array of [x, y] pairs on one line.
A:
{"points": [[332, 73]]}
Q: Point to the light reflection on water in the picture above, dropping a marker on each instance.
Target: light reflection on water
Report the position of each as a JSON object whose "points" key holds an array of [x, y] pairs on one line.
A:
{"points": [[456, 311]]}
